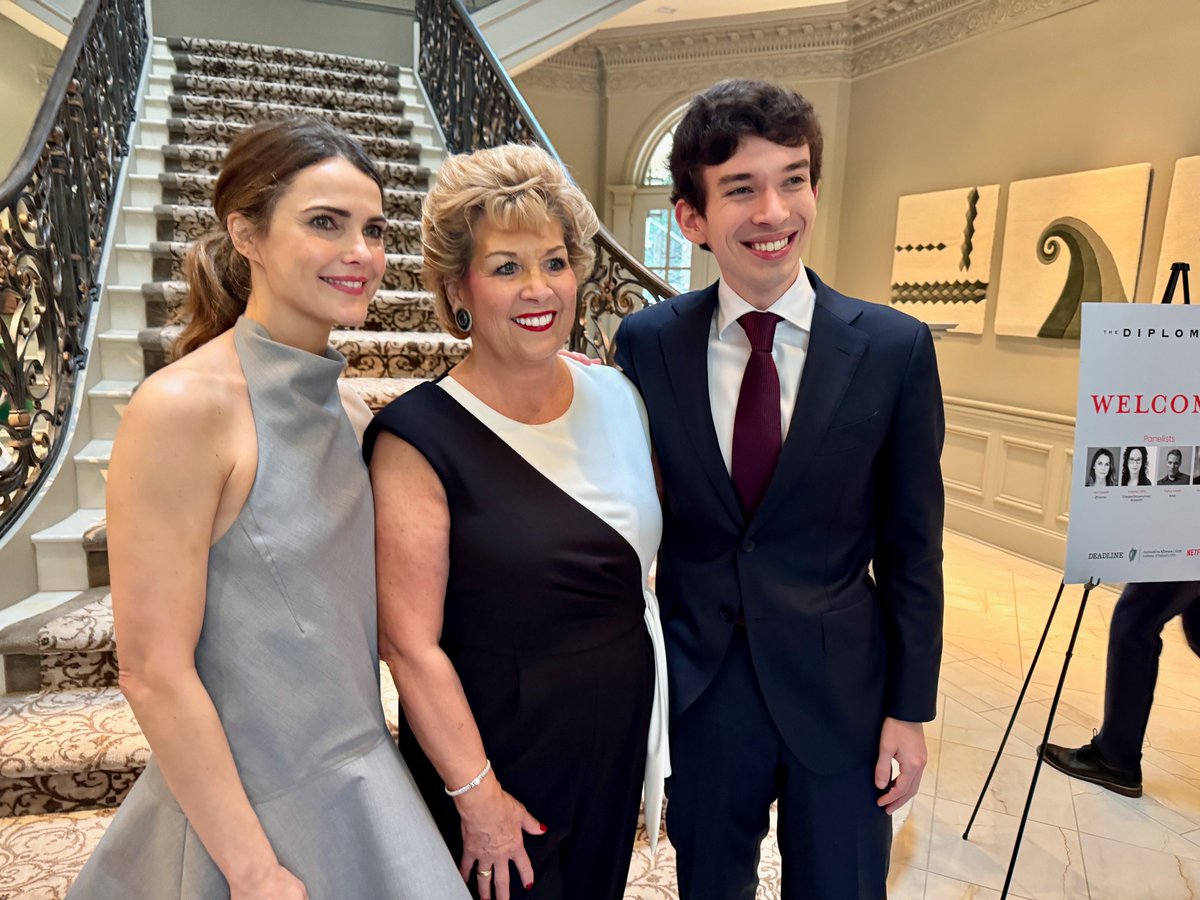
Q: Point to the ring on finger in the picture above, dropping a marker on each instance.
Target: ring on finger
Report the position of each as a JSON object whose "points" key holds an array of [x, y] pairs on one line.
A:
{"points": [[484, 873]]}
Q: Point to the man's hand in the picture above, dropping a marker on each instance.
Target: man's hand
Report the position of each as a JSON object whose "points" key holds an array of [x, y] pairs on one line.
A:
{"points": [[905, 743]]}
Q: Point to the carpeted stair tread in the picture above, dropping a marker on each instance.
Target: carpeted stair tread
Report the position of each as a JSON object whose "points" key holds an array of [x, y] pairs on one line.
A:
{"points": [[402, 272], [402, 311], [253, 70], [21, 637], [195, 189], [306, 95], [40, 856], [85, 629], [247, 112], [205, 131], [62, 628], [207, 159], [407, 310], [398, 354], [375, 354], [69, 732], [288, 55], [379, 392], [187, 223]]}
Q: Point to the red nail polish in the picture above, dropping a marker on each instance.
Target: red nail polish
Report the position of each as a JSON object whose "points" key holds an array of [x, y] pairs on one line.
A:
{"points": [[543, 829], [529, 887]]}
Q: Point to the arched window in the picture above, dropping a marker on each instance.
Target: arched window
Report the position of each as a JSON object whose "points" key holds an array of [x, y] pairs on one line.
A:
{"points": [[657, 169], [665, 251]]}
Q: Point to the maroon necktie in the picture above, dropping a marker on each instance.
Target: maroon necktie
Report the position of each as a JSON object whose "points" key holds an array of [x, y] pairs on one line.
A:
{"points": [[756, 424]]}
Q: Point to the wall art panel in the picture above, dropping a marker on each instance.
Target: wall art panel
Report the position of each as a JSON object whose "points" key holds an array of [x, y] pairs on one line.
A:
{"points": [[1068, 240], [1181, 231], [943, 255]]}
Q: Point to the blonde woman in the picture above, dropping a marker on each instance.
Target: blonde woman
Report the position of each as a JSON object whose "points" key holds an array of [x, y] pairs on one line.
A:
{"points": [[517, 518]]}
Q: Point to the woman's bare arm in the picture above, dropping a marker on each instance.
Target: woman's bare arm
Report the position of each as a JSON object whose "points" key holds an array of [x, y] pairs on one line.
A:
{"points": [[412, 522], [172, 459]]}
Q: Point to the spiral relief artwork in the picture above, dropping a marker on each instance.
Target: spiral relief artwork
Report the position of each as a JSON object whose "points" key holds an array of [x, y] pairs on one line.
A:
{"points": [[1070, 239]]}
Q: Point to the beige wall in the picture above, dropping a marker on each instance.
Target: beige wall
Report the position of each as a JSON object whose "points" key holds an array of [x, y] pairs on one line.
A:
{"points": [[307, 24], [575, 125], [20, 89], [1097, 86]]}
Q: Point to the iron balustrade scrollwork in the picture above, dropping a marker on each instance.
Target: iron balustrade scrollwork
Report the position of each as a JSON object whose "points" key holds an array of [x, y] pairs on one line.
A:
{"points": [[55, 208], [477, 105]]}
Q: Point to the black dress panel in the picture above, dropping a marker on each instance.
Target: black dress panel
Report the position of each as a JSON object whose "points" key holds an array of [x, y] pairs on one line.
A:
{"points": [[544, 625]]}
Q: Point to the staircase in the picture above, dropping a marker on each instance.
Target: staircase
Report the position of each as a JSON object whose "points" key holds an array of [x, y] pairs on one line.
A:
{"points": [[69, 746]]}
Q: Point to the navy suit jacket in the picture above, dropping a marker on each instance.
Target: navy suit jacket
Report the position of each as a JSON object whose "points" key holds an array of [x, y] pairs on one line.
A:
{"points": [[858, 486]]}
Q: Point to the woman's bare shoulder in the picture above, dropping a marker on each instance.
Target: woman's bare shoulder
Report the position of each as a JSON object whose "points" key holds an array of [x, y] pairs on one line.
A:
{"points": [[199, 390]]}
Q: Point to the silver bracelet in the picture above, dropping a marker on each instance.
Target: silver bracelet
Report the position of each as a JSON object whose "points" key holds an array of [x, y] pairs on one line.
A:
{"points": [[472, 784]]}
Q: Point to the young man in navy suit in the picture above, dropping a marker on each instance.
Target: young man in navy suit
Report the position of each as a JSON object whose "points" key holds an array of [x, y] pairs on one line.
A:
{"points": [[798, 432]]}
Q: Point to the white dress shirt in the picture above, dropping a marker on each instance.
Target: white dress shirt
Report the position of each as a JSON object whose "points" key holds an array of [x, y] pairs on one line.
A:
{"points": [[729, 351]]}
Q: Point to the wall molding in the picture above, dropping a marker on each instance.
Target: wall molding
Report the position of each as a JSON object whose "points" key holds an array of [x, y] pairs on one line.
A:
{"points": [[1007, 472], [797, 45], [1019, 412]]}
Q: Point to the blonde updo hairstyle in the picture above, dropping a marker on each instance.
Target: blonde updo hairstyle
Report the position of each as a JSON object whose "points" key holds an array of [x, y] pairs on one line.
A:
{"points": [[516, 188], [257, 171]]}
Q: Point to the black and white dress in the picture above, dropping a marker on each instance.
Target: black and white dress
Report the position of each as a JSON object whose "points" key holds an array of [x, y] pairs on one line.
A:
{"points": [[549, 619]]}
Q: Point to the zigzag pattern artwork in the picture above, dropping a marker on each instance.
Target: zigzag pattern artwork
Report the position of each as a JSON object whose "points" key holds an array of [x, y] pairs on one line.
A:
{"points": [[969, 229], [940, 292]]}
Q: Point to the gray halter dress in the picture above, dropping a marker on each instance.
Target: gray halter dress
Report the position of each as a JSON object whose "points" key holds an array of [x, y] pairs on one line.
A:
{"points": [[288, 654]]}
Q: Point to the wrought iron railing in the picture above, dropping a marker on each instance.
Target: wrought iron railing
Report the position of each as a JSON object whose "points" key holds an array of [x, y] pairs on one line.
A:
{"points": [[478, 106], [55, 209]]}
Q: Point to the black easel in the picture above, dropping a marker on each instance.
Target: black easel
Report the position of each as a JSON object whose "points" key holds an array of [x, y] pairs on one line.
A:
{"points": [[1177, 270]]}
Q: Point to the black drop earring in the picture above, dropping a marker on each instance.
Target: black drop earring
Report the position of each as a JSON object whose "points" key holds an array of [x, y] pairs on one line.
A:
{"points": [[462, 318]]}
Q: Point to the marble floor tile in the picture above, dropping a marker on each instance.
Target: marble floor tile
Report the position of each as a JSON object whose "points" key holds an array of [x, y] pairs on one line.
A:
{"points": [[1003, 655], [1172, 729], [963, 725], [1178, 793], [1104, 814], [973, 623], [929, 776], [1173, 760], [939, 887], [911, 827], [1121, 871], [965, 769], [1049, 866]]}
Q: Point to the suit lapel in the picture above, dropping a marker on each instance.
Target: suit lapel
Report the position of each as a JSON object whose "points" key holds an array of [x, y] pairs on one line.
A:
{"points": [[684, 343], [835, 348]]}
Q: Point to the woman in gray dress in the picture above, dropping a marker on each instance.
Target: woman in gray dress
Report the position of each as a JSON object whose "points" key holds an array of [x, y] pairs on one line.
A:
{"points": [[241, 545]]}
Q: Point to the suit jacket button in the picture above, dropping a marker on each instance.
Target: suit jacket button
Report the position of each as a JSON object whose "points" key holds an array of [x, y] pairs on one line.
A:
{"points": [[725, 614], [748, 546]]}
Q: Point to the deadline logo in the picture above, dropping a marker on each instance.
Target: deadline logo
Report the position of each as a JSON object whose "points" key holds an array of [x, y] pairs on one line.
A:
{"points": [[1132, 553]]}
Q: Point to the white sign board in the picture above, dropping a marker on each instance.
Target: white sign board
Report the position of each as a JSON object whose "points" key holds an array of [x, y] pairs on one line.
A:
{"points": [[1135, 490]]}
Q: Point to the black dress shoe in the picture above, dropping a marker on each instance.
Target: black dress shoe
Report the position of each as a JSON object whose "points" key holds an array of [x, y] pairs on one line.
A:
{"points": [[1087, 764]]}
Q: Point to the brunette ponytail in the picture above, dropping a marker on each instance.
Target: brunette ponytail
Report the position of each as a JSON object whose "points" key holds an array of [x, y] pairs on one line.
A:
{"points": [[218, 282], [258, 168]]}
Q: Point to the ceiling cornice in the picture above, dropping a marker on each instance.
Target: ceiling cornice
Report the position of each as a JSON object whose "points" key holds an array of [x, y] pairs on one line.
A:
{"points": [[837, 40]]}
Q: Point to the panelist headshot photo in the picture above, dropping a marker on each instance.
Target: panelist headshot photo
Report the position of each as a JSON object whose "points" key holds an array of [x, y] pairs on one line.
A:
{"points": [[1196, 467], [1135, 467], [1170, 463], [1102, 467]]}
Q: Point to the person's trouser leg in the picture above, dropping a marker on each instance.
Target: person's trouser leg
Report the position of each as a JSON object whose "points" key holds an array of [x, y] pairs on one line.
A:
{"points": [[834, 840], [725, 754], [1134, 645]]}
